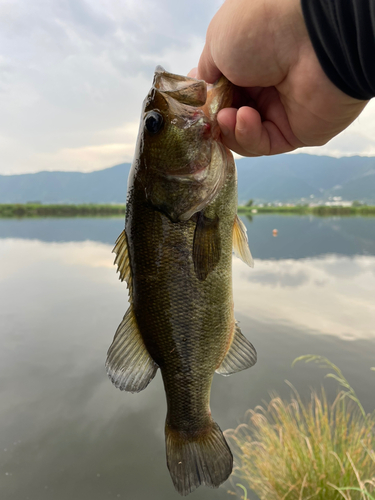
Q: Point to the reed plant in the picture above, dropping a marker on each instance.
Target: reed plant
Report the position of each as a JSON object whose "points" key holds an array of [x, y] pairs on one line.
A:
{"points": [[299, 451], [59, 210]]}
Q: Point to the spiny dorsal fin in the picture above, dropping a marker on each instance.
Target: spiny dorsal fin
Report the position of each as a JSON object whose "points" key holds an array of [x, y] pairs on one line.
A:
{"points": [[241, 354], [207, 246], [129, 365], [122, 258], [240, 242]]}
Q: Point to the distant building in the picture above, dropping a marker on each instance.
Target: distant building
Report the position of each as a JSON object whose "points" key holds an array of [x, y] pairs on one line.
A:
{"points": [[338, 203]]}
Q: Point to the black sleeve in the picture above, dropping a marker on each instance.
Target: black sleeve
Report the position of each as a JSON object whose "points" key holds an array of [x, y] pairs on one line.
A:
{"points": [[343, 35]]}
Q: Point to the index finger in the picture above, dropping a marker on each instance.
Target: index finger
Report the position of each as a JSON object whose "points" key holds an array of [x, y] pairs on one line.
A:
{"points": [[207, 69]]}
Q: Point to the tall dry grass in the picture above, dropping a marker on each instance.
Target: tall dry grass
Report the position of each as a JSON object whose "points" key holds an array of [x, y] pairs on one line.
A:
{"points": [[297, 451]]}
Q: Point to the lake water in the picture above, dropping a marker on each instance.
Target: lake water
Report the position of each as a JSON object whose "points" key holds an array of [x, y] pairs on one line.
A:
{"points": [[67, 434]]}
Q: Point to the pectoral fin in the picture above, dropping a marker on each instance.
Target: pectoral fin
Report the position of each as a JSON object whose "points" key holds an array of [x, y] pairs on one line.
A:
{"points": [[240, 242], [129, 365], [207, 246], [241, 354]]}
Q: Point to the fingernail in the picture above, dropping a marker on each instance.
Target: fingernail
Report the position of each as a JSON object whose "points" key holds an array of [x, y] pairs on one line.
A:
{"points": [[240, 124], [193, 73], [224, 129]]}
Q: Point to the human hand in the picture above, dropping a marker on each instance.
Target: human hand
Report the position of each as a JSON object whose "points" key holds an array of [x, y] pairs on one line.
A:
{"points": [[283, 98]]}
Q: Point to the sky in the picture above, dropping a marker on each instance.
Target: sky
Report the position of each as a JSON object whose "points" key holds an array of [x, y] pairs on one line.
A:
{"points": [[74, 73]]}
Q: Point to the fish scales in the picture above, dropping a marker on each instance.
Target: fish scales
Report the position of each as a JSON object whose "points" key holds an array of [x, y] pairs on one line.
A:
{"points": [[184, 321], [175, 255]]}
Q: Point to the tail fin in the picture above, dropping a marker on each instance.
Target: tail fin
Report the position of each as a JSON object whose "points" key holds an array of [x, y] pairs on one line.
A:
{"points": [[197, 460]]}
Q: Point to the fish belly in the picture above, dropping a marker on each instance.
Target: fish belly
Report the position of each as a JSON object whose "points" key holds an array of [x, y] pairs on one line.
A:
{"points": [[186, 323]]}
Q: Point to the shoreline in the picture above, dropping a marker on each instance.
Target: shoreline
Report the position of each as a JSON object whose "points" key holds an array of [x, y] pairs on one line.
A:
{"points": [[319, 211], [28, 210]]}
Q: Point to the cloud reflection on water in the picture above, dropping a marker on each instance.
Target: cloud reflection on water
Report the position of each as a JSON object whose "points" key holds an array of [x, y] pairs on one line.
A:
{"points": [[329, 295]]}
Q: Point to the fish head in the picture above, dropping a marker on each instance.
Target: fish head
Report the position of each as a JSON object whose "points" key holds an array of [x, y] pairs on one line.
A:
{"points": [[180, 160]]}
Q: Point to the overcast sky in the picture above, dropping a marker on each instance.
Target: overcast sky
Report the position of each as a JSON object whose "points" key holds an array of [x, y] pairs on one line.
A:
{"points": [[74, 73]]}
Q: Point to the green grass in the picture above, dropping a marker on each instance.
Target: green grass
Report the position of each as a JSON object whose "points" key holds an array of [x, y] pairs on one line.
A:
{"points": [[39, 210], [305, 210], [97, 210], [297, 451]]}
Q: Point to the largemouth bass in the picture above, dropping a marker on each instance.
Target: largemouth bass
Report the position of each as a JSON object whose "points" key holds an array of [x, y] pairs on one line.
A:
{"points": [[176, 256]]}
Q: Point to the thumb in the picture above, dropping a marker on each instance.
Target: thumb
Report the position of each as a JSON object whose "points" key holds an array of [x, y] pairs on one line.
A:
{"points": [[207, 69]]}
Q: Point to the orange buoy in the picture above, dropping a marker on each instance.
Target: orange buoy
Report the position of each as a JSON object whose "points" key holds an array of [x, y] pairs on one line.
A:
{"points": [[274, 232]]}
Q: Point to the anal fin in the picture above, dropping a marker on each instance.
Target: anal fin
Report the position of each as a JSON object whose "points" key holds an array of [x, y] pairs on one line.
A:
{"points": [[240, 242], [129, 365], [241, 354]]}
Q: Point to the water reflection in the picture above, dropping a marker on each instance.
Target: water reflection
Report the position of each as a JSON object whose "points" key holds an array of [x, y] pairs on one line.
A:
{"points": [[331, 295], [298, 236], [296, 289], [66, 432]]}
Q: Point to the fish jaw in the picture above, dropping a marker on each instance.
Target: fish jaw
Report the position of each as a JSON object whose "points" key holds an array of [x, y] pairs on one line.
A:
{"points": [[181, 196]]}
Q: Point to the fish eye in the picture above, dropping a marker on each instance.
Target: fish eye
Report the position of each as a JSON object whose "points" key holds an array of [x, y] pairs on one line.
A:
{"points": [[154, 122]]}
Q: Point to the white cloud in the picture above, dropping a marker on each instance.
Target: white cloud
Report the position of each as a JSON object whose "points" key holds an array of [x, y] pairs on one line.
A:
{"points": [[99, 154], [73, 72], [87, 158]]}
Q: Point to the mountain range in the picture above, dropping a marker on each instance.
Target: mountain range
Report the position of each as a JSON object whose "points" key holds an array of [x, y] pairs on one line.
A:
{"points": [[282, 178]]}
